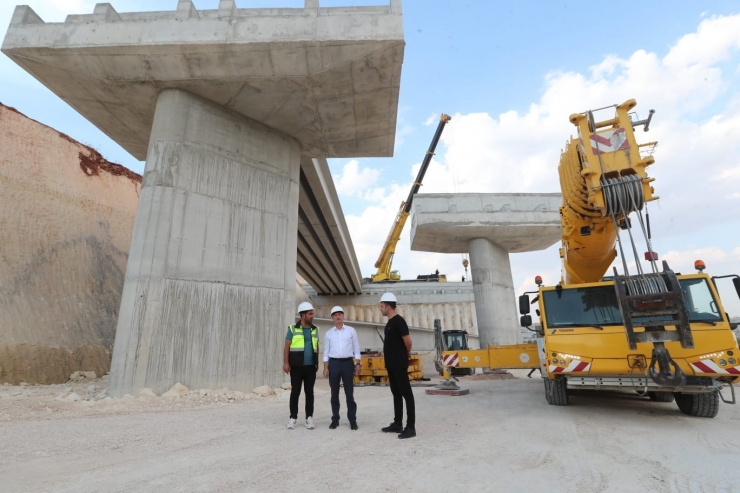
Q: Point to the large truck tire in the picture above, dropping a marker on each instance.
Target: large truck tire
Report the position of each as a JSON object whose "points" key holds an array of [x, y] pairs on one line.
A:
{"points": [[704, 405], [556, 391], [660, 396]]}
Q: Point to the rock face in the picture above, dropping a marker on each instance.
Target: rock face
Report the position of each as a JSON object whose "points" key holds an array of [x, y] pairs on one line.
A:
{"points": [[66, 224], [80, 376]]}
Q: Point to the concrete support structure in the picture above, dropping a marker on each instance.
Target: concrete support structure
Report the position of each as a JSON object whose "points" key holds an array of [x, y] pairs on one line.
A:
{"points": [[493, 284], [212, 253], [488, 227], [225, 104]]}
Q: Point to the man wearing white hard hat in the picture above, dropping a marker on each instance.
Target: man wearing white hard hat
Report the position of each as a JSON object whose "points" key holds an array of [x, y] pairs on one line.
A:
{"points": [[396, 352], [301, 361], [341, 348]]}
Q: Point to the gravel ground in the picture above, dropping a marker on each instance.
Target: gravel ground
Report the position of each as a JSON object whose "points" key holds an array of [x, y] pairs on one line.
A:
{"points": [[501, 437]]}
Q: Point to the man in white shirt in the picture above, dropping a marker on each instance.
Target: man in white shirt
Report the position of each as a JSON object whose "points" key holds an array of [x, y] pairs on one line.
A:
{"points": [[341, 346]]}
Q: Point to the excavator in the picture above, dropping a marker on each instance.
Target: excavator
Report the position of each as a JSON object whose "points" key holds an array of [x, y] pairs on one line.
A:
{"points": [[384, 263], [650, 330]]}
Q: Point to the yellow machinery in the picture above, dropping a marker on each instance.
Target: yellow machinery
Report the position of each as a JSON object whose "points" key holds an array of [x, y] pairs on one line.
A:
{"points": [[373, 369], [662, 334], [385, 260]]}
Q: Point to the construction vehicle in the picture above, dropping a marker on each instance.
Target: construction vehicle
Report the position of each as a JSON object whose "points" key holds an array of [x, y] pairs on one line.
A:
{"points": [[385, 260], [659, 333], [450, 340]]}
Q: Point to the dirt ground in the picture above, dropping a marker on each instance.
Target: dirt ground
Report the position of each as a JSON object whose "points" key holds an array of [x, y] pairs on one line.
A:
{"points": [[501, 437]]}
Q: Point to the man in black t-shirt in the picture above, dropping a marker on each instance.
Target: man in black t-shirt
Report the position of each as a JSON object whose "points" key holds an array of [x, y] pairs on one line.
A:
{"points": [[396, 350]]}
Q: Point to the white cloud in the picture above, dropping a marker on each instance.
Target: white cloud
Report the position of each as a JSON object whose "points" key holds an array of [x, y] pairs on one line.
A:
{"points": [[403, 127], [432, 118], [353, 181], [697, 123], [718, 262], [404, 130]]}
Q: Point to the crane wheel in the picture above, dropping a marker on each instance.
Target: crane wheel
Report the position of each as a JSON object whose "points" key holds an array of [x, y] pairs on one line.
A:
{"points": [[705, 405], [660, 396], [556, 391]]}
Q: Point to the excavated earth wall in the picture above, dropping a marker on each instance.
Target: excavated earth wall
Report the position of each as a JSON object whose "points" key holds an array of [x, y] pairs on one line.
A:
{"points": [[65, 230]]}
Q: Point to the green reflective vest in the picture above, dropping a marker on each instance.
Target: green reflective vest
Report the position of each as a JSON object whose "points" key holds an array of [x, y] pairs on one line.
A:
{"points": [[297, 345]]}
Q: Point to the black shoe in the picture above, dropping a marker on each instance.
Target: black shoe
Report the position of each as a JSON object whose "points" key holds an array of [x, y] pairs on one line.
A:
{"points": [[333, 425], [392, 428], [353, 425], [407, 433]]}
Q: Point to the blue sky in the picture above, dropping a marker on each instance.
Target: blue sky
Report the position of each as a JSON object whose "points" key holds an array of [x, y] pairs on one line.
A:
{"points": [[510, 73]]}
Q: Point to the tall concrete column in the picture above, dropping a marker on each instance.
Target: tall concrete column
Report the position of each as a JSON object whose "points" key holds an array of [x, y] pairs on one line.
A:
{"points": [[210, 279], [493, 288]]}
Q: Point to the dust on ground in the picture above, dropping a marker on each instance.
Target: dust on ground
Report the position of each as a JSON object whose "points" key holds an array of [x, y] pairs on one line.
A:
{"points": [[501, 437]]}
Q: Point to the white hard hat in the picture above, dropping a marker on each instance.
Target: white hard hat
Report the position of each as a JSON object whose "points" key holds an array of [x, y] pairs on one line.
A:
{"points": [[389, 297], [336, 309], [304, 307]]}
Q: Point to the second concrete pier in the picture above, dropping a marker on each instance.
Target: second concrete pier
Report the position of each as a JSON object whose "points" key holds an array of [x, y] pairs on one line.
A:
{"points": [[489, 227]]}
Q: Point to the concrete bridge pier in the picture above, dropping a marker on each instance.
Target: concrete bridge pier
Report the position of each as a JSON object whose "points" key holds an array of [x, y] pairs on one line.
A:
{"points": [[493, 289], [213, 254], [489, 227], [235, 111]]}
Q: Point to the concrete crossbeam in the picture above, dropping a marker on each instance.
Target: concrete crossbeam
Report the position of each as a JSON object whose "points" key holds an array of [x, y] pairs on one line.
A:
{"points": [[488, 227], [519, 222], [329, 77], [212, 254]]}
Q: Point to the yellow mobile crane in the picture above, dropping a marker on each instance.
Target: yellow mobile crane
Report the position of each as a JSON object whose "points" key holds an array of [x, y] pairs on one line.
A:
{"points": [[662, 334], [385, 260]]}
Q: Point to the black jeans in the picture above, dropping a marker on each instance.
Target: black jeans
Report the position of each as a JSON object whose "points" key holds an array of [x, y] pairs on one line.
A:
{"points": [[306, 376], [342, 371], [401, 389]]}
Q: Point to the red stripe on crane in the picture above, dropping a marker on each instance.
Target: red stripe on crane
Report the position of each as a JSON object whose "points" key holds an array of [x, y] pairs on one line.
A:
{"points": [[602, 140], [703, 367], [581, 366]]}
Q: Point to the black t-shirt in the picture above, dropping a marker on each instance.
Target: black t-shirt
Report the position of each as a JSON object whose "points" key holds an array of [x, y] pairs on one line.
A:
{"points": [[394, 348]]}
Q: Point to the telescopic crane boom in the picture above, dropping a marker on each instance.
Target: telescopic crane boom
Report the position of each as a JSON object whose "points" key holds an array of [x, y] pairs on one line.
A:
{"points": [[385, 260]]}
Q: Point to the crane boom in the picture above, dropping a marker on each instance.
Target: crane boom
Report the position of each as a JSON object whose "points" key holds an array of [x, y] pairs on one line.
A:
{"points": [[385, 259], [603, 179]]}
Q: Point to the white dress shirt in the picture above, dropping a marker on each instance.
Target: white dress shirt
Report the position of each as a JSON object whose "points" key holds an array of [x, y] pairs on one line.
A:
{"points": [[341, 343]]}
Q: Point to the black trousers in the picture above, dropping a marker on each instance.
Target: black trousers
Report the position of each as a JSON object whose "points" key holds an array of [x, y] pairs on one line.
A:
{"points": [[401, 389], [342, 371], [301, 376]]}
